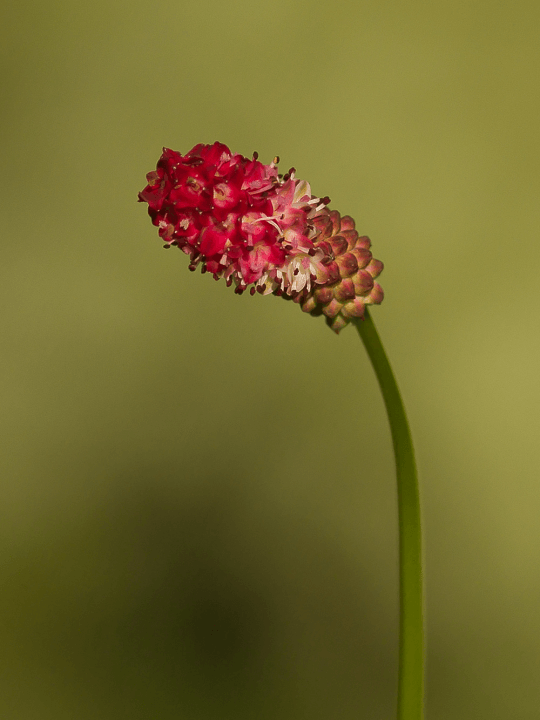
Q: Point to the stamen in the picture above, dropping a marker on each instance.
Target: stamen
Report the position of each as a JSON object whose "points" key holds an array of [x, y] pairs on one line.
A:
{"points": [[268, 219]]}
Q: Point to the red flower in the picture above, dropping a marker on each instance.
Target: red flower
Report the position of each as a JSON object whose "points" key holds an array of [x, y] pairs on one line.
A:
{"points": [[244, 222]]}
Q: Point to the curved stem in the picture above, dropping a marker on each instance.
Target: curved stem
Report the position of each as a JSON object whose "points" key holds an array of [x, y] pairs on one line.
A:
{"points": [[411, 626]]}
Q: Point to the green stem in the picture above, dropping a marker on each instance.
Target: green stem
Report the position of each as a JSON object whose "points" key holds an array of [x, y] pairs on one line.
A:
{"points": [[411, 626]]}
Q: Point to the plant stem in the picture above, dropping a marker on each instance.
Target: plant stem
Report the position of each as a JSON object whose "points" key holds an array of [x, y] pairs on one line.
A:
{"points": [[411, 626]]}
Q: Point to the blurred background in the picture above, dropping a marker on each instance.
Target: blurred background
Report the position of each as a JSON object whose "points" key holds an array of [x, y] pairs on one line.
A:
{"points": [[197, 489]]}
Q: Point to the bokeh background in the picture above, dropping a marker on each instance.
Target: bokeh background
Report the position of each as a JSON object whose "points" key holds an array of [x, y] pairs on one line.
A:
{"points": [[198, 502]]}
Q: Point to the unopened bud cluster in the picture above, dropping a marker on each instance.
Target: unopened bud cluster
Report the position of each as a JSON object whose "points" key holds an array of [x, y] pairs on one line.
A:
{"points": [[241, 220]]}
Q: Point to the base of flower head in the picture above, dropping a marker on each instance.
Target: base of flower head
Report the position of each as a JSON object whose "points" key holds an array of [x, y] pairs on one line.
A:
{"points": [[347, 283], [240, 220]]}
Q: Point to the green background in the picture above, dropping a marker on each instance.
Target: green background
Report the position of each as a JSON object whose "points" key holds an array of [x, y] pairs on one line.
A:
{"points": [[198, 502]]}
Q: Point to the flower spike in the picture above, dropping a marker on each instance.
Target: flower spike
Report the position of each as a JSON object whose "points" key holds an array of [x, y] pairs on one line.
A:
{"points": [[246, 223]]}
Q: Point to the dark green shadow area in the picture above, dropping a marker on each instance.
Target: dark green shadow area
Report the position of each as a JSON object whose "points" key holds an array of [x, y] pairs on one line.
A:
{"points": [[155, 604]]}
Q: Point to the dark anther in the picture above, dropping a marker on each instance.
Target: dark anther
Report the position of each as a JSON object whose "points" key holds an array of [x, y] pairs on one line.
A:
{"points": [[255, 155], [252, 291], [276, 160]]}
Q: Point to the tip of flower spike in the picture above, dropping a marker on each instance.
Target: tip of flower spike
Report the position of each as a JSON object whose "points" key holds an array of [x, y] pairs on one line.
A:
{"points": [[262, 231]]}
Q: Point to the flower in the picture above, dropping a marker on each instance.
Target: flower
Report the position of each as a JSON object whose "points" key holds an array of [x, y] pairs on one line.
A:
{"points": [[241, 220]]}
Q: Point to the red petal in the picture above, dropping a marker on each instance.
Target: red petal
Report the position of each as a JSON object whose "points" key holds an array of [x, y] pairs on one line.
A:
{"points": [[212, 241]]}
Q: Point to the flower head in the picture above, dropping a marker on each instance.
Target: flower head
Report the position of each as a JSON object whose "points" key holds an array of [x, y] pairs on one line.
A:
{"points": [[241, 220]]}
